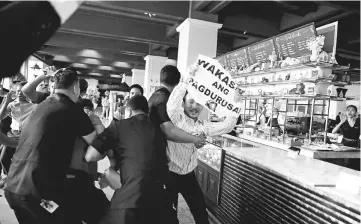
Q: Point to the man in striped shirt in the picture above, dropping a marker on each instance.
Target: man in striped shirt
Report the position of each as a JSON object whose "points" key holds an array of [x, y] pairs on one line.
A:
{"points": [[184, 112]]}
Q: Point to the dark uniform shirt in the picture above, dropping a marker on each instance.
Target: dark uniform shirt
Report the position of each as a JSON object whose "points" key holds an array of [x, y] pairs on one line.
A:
{"points": [[45, 148], [158, 106], [351, 134], [158, 115], [136, 145]]}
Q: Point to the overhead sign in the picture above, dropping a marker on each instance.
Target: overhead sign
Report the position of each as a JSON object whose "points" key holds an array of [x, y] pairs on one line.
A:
{"points": [[238, 58], [261, 51], [213, 87], [294, 43]]}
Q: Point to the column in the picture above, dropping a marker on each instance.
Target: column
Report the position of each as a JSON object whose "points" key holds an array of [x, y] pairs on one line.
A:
{"points": [[153, 65], [128, 80], [138, 77], [196, 37]]}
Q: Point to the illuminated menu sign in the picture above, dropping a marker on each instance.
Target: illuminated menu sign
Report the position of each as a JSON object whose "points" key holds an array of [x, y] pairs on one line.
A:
{"points": [[238, 58], [294, 43], [261, 51]]}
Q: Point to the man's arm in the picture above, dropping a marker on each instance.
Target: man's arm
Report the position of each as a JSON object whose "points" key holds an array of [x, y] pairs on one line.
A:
{"points": [[5, 140], [219, 128], [175, 101], [101, 144], [175, 134]]}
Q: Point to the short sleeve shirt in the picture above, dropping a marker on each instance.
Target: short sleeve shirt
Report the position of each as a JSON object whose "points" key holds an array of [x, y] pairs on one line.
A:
{"points": [[78, 162], [46, 146]]}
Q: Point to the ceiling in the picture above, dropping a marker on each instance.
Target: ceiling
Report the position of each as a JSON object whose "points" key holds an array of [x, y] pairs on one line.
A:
{"points": [[113, 37]]}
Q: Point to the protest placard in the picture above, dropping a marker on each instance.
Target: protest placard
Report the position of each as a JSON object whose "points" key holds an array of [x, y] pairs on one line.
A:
{"points": [[213, 87]]}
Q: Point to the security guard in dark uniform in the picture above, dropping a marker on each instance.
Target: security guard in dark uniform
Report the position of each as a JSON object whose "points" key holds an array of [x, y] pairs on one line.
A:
{"points": [[137, 148]]}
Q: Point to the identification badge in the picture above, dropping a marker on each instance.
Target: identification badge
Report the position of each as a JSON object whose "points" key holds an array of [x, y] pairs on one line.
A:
{"points": [[50, 206]]}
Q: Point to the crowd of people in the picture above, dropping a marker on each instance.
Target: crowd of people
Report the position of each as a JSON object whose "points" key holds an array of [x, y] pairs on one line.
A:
{"points": [[55, 139]]}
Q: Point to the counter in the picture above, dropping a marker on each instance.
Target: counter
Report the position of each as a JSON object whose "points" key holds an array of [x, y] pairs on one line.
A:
{"points": [[259, 184]]}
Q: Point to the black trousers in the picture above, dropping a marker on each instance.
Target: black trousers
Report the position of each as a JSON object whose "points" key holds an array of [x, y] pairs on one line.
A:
{"points": [[91, 203], [188, 186], [6, 155], [27, 210]]}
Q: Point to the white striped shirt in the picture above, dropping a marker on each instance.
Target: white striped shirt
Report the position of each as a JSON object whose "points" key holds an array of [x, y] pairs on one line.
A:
{"points": [[183, 156]]}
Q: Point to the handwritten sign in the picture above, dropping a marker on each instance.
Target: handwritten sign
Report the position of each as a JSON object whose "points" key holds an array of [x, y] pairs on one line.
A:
{"points": [[213, 87], [238, 58], [293, 43], [261, 51]]}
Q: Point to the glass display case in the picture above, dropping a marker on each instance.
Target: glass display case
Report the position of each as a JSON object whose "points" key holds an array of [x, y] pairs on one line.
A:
{"points": [[287, 119], [211, 155]]}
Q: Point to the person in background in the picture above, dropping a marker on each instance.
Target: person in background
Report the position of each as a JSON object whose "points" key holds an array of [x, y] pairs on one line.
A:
{"points": [[141, 165], [29, 90], [169, 78], [83, 86], [184, 111], [19, 109], [135, 90], [349, 126], [41, 161], [105, 105], [5, 141], [120, 111]]}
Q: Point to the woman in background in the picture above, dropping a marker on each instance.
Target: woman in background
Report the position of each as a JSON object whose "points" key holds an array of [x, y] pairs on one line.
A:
{"points": [[105, 105], [349, 127]]}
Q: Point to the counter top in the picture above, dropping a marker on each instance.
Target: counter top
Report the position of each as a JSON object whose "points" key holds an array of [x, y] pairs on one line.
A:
{"points": [[305, 171], [355, 154]]}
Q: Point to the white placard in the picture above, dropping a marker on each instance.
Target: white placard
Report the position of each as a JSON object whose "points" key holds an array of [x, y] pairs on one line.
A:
{"points": [[213, 87]]}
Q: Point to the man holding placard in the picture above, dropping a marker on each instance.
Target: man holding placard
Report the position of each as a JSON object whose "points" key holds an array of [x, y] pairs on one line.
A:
{"points": [[184, 109]]}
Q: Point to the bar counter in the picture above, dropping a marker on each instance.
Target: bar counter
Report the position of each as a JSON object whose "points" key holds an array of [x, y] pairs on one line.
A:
{"points": [[260, 184]]}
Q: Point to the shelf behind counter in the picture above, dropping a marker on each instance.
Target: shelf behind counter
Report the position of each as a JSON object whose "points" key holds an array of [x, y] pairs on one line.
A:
{"points": [[259, 184]]}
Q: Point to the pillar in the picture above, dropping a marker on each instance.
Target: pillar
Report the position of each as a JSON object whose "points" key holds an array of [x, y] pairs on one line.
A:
{"points": [[196, 37], [128, 80], [153, 65], [138, 77]]}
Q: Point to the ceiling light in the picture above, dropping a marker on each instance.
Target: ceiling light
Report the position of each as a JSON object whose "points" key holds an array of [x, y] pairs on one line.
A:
{"points": [[107, 68], [91, 61], [122, 64], [87, 53], [61, 58], [244, 32], [79, 65]]}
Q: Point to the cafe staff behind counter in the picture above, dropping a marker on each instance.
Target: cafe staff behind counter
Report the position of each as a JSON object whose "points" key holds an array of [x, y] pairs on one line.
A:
{"points": [[349, 127]]}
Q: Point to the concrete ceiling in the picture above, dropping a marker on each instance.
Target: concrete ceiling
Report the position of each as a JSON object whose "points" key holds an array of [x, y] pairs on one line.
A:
{"points": [[104, 38]]}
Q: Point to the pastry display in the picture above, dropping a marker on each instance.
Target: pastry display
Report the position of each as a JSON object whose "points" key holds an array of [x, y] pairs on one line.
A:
{"points": [[211, 155]]}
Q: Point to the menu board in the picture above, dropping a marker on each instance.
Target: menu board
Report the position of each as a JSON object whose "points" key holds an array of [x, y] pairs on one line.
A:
{"points": [[238, 58], [293, 43], [261, 51], [223, 61]]}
